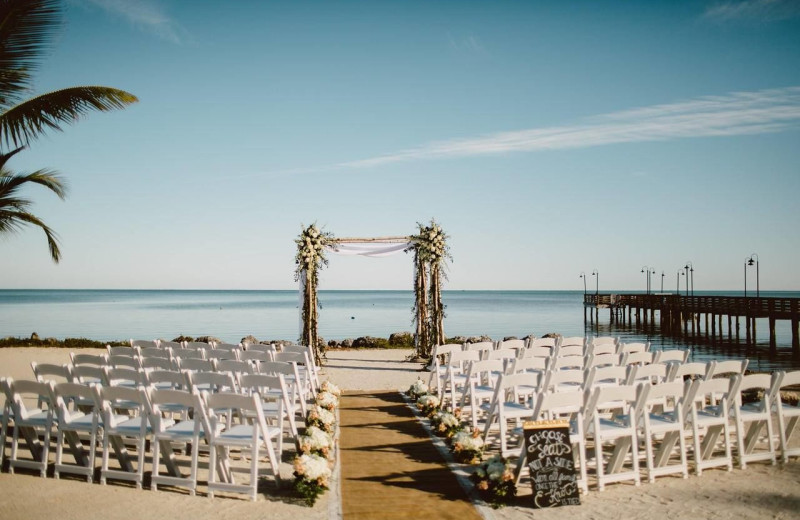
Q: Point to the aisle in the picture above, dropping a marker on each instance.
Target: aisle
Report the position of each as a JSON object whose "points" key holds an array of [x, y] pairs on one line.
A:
{"points": [[389, 466]]}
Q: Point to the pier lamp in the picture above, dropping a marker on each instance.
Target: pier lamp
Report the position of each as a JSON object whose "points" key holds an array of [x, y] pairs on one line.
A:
{"points": [[662, 281], [583, 275], [678, 282], [649, 271], [596, 281], [749, 262], [689, 272]]}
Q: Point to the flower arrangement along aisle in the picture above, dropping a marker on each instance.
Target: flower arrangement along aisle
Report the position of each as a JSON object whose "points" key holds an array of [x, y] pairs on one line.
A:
{"points": [[468, 447], [417, 390], [447, 424], [322, 418], [311, 476], [428, 404], [327, 386], [316, 442], [494, 480], [327, 400]]}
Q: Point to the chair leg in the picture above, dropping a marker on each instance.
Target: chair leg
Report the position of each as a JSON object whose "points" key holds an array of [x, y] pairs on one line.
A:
{"points": [[156, 462], [212, 469]]}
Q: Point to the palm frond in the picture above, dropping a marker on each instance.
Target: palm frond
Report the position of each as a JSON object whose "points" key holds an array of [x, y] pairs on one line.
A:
{"points": [[26, 33], [26, 121], [50, 179], [11, 222]]}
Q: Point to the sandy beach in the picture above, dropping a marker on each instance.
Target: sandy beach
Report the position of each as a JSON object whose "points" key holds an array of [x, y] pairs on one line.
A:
{"points": [[760, 491]]}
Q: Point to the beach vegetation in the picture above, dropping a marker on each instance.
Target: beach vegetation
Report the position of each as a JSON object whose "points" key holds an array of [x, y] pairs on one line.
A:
{"points": [[71, 343], [27, 28]]}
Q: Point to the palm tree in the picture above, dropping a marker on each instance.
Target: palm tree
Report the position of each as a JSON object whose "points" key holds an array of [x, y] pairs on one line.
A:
{"points": [[26, 30]]}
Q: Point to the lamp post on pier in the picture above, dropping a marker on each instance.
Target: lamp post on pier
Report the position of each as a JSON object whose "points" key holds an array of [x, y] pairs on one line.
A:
{"points": [[596, 281], [678, 282], [749, 262], [583, 275], [689, 271], [662, 281], [649, 271]]}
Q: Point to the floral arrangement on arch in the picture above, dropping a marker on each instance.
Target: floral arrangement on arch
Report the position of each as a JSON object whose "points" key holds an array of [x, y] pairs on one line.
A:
{"points": [[428, 404], [312, 474], [468, 446], [494, 480], [447, 424]]}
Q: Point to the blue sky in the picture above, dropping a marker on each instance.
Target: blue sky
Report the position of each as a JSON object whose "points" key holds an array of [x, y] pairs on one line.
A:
{"points": [[548, 139]]}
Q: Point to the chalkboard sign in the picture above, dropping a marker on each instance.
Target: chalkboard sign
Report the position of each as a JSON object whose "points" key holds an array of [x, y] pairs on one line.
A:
{"points": [[548, 455]]}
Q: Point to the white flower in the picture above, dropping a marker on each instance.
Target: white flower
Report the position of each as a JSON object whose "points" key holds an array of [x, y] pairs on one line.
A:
{"points": [[327, 386], [418, 388], [312, 467], [467, 441], [315, 440], [327, 400], [428, 401]]}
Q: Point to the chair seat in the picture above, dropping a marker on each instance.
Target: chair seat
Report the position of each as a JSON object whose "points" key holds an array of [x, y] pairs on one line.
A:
{"points": [[83, 422], [242, 434], [516, 410], [610, 427], [133, 425], [35, 419], [183, 430], [790, 410]]}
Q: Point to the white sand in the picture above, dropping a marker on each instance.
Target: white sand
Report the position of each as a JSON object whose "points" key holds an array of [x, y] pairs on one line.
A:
{"points": [[760, 491]]}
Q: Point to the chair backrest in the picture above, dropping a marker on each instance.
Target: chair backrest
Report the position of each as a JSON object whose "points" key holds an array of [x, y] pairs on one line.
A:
{"points": [[571, 340], [227, 346], [554, 405], [638, 358], [88, 374], [235, 367], [169, 344], [127, 377], [196, 345], [172, 401], [631, 348], [483, 347], [629, 398], [694, 370], [112, 397], [197, 365], [653, 373], [270, 349], [615, 375], [561, 363], [222, 354], [570, 350], [125, 350], [537, 351], [296, 357], [144, 343], [712, 391], [672, 391], [760, 386], [677, 354], [503, 353], [100, 360], [557, 380], [49, 372], [157, 363], [246, 405], [515, 344], [187, 353], [211, 382], [601, 349], [542, 342], [727, 368], [161, 352], [604, 360], [161, 379], [599, 340], [485, 372], [528, 364], [255, 356], [22, 390], [507, 385], [124, 362]]}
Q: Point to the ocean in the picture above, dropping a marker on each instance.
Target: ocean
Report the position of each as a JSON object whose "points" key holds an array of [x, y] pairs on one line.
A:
{"points": [[106, 315]]}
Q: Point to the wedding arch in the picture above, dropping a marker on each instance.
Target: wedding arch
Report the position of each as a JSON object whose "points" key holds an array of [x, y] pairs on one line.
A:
{"points": [[431, 251]]}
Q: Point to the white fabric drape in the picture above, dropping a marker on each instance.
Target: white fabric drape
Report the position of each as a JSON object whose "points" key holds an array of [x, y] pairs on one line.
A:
{"points": [[371, 249]]}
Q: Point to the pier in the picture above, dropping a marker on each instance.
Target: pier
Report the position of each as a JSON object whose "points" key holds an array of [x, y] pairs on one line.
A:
{"points": [[699, 315]]}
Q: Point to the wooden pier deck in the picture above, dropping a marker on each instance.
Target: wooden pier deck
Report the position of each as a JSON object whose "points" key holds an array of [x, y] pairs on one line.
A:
{"points": [[684, 313]]}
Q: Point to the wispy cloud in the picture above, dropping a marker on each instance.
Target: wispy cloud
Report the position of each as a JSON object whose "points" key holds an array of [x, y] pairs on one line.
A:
{"points": [[753, 11], [468, 45], [738, 113], [146, 14]]}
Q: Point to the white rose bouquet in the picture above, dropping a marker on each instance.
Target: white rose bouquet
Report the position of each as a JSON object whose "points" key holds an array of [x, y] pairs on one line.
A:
{"points": [[327, 400], [321, 418], [316, 442], [428, 404], [329, 387], [311, 476], [417, 389], [468, 447], [447, 424], [494, 480]]}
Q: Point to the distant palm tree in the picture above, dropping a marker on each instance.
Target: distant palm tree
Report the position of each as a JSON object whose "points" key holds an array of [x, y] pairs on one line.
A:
{"points": [[26, 30]]}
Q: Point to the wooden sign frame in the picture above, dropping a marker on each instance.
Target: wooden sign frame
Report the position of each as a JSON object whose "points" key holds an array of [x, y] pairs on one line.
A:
{"points": [[548, 456]]}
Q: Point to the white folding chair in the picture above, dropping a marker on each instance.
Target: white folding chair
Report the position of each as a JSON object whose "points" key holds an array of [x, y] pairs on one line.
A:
{"points": [[663, 429], [605, 376], [294, 386], [197, 365], [567, 405], [47, 372], [301, 361], [618, 429], [94, 360], [709, 402], [570, 351], [788, 414], [539, 352], [438, 365], [633, 348], [74, 419], [117, 427], [563, 380], [484, 347], [6, 417], [275, 404], [567, 363], [604, 360], [549, 343], [637, 358], [480, 387], [574, 340], [654, 373], [693, 370], [752, 414], [32, 423], [144, 343], [457, 368], [169, 344], [310, 364], [162, 406], [505, 406], [243, 436], [210, 382], [119, 361]]}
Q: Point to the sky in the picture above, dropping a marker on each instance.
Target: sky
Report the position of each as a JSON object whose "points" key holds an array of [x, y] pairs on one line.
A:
{"points": [[548, 139]]}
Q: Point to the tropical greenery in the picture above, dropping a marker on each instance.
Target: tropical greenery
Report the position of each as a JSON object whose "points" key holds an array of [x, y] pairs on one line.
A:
{"points": [[27, 28]]}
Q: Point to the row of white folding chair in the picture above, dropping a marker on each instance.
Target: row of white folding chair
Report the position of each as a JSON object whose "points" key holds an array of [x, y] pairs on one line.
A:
{"points": [[154, 420]]}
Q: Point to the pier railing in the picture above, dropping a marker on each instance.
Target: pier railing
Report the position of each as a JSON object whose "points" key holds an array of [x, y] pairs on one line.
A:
{"points": [[779, 308]]}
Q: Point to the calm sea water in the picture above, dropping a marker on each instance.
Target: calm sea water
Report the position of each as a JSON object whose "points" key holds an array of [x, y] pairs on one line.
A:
{"points": [[119, 314]]}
